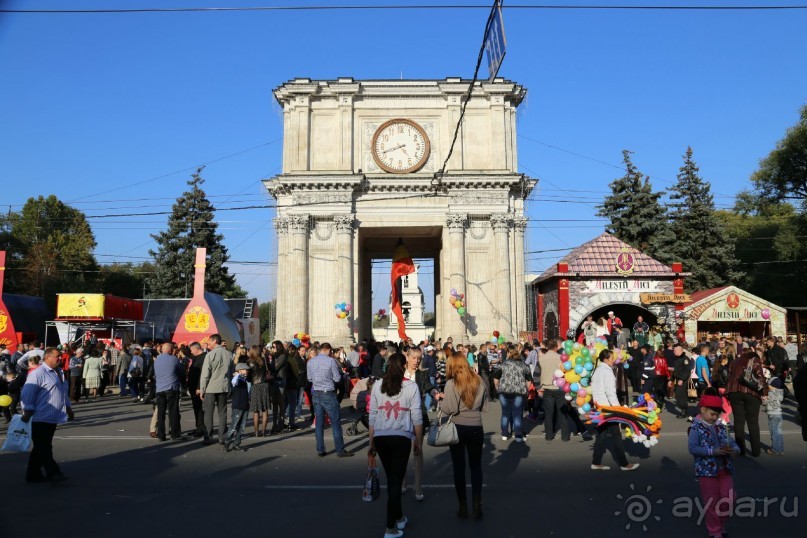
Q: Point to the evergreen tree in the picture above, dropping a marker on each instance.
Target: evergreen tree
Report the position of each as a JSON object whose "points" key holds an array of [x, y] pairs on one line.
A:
{"points": [[191, 226], [635, 214], [701, 242]]}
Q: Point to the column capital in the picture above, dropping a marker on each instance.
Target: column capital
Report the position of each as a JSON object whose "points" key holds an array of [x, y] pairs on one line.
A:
{"points": [[298, 223], [344, 222], [456, 222], [520, 224], [281, 225], [501, 222]]}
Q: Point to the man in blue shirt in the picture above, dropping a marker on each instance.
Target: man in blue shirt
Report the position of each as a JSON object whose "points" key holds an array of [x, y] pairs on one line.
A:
{"points": [[45, 404], [703, 368], [167, 373], [323, 372]]}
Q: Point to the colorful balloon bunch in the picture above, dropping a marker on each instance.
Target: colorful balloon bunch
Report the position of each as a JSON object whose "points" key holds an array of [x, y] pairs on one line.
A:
{"points": [[457, 300], [301, 338], [496, 338], [574, 374], [641, 421], [343, 309], [381, 314]]}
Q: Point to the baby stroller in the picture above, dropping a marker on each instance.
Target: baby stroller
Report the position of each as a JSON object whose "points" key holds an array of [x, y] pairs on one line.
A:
{"points": [[362, 415]]}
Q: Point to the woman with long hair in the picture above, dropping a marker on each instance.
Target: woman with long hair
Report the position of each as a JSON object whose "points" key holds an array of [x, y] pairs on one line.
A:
{"points": [[278, 370], [396, 427], [511, 385], [745, 401], [720, 381], [259, 401], [415, 372], [465, 398]]}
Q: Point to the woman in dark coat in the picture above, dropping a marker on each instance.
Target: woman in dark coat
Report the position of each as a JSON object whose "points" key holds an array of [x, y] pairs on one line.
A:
{"points": [[745, 402]]}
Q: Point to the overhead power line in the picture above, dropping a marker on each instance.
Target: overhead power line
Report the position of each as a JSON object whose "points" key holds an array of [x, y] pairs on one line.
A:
{"points": [[405, 7]]}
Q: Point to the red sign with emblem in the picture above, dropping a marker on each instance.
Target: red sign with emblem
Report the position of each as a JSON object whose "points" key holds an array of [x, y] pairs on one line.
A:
{"points": [[7, 334], [625, 262], [733, 301]]}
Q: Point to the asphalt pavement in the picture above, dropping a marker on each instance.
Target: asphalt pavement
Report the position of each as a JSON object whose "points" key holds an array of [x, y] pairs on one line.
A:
{"points": [[125, 484]]}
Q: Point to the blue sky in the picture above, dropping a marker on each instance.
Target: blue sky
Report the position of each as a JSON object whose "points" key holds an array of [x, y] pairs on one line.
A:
{"points": [[110, 112]]}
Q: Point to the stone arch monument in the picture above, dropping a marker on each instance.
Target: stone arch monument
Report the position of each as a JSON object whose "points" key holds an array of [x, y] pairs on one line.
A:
{"points": [[360, 163]]}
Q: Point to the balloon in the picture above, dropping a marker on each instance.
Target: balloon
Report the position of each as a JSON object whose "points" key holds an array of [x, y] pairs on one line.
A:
{"points": [[568, 346], [564, 357], [558, 373], [560, 382], [582, 392], [349, 307], [501, 339], [584, 373], [579, 369], [577, 346], [461, 296], [575, 387], [5, 400], [626, 366], [588, 398], [584, 382], [567, 365], [585, 352], [578, 361], [336, 306], [568, 397], [581, 411], [766, 313], [586, 407], [496, 334], [493, 340], [296, 343], [589, 366], [572, 377], [461, 311], [566, 387], [453, 292], [580, 402]]}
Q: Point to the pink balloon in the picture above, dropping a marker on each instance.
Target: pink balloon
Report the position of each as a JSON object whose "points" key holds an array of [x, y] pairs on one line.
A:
{"points": [[582, 392], [567, 387], [766, 313]]}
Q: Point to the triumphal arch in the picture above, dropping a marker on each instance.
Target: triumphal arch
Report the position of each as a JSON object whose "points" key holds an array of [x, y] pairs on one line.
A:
{"points": [[361, 170]]}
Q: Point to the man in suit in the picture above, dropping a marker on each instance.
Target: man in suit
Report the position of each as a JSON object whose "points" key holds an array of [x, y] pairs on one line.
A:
{"points": [[194, 377]]}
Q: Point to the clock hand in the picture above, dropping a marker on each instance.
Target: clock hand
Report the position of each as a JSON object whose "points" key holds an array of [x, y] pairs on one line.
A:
{"points": [[403, 148], [393, 149]]}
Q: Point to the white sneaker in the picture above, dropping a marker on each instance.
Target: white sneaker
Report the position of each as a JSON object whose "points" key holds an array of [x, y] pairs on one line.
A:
{"points": [[505, 438], [519, 439], [394, 534], [630, 467], [401, 523], [599, 467]]}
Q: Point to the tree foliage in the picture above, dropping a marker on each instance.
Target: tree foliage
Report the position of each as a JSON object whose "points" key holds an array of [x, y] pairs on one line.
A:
{"points": [[701, 242], [267, 313], [191, 226], [783, 173], [635, 214], [49, 249]]}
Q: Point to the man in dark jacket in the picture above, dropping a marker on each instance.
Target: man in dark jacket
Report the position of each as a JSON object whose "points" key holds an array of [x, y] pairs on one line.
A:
{"points": [[681, 374], [379, 361], [194, 374]]}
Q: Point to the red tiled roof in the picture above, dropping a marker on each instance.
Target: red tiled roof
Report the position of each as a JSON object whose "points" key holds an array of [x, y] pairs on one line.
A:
{"points": [[703, 294], [598, 258]]}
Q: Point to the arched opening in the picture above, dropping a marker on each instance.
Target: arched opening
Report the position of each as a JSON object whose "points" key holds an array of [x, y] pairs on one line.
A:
{"points": [[629, 314], [550, 325]]}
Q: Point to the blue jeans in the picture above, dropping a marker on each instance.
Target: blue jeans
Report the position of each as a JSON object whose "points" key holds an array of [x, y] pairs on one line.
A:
{"points": [[239, 423], [429, 398], [326, 402], [122, 382], [292, 399], [775, 425], [512, 412]]}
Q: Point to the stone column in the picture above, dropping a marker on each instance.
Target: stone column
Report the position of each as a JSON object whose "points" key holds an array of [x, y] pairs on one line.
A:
{"points": [[282, 330], [297, 291], [501, 225], [344, 277], [456, 224], [520, 319]]}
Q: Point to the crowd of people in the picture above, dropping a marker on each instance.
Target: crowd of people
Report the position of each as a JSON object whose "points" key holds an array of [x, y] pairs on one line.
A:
{"points": [[393, 387]]}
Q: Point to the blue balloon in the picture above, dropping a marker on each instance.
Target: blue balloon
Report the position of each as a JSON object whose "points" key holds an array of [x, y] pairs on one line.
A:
{"points": [[578, 369], [567, 365], [587, 407], [626, 366], [584, 382], [589, 366], [296, 342], [336, 306], [575, 387]]}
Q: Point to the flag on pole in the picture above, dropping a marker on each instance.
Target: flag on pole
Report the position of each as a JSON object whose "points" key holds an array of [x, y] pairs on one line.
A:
{"points": [[402, 265]]}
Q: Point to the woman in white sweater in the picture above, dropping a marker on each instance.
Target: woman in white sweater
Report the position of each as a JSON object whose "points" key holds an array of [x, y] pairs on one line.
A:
{"points": [[396, 424]]}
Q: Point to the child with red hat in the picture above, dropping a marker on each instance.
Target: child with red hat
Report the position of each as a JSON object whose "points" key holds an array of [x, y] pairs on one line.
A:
{"points": [[713, 448]]}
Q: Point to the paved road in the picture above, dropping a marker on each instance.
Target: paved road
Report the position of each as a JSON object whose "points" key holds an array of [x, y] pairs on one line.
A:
{"points": [[125, 484]]}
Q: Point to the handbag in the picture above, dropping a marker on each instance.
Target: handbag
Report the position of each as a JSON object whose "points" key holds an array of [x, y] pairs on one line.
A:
{"points": [[748, 379], [372, 488], [18, 437], [442, 433], [692, 388]]}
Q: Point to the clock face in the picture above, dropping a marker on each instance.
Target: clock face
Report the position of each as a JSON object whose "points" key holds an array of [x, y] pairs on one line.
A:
{"points": [[400, 146]]}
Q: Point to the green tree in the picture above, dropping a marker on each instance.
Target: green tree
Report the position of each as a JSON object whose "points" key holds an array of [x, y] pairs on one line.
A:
{"points": [[783, 173], [635, 214], [267, 312], [49, 249], [191, 226], [701, 242], [126, 279]]}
